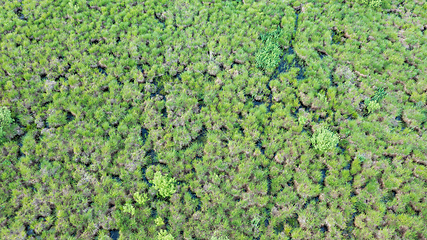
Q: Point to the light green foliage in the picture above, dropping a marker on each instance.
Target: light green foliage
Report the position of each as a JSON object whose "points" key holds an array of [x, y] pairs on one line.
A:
{"points": [[255, 221], [163, 184], [268, 57], [5, 120], [373, 106], [380, 93], [302, 120], [371, 3], [373, 103], [163, 235], [128, 208], [159, 221], [219, 238], [140, 199], [324, 140]]}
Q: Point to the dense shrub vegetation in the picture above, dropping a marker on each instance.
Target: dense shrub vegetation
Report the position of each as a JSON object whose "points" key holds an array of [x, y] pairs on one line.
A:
{"points": [[213, 119]]}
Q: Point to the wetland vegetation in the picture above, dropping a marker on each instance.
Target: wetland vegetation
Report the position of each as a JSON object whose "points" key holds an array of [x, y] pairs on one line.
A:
{"points": [[213, 119]]}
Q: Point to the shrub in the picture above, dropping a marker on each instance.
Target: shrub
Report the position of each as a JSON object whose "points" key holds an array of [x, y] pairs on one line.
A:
{"points": [[324, 140], [371, 3], [164, 185], [268, 57], [373, 103], [128, 208], [5, 120], [159, 221], [163, 235], [140, 199], [219, 238], [373, 106]]}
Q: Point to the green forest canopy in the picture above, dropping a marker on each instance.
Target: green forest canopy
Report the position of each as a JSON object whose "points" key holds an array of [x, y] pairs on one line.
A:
{"points": [[213, 119]]}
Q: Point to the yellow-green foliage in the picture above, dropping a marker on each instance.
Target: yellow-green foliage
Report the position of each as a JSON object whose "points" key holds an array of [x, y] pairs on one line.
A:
{"points": [[164, 185], [324, 140], [5, 120], [128, 208], [140, 199], [163, 235], [371, 3], [159, 221]]}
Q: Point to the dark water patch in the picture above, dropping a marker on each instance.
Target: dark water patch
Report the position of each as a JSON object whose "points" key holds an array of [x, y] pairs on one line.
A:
{"points": [[153, 212], [18, 12], [20, 154], [240, 116], [43, 76], [333, 84], [296, 24], [321, 119], [159, 90], [323, 229], [389, 196], [290, 183], [47, 124], [268, 185], [268, 217], [400, 122], [144, 177], [285, 65], [322, 180], [70, 117], [194, 197], [241, 130], [293, 221], [22, 17], [153, 156], [259, 145], [164, 113], [139, 67], [159, 20], [30, 232], [315, 199], [116, 178], [201, 138], [118, 40], [201, 105], [350, 226], [321, 53], [278, 229], [348, 166], [144, 135], [102, 71], [257, 103], [336, 36], [114, 234], [93, 41]]}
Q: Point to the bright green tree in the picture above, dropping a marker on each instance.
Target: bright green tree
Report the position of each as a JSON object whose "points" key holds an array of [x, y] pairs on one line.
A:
{"points": [[164, 185], [324, 140], [5, 120], [163, 235]]}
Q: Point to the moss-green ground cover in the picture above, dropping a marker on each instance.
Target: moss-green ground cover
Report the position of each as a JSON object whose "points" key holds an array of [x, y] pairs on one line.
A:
{"points": [[191, 119]]}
